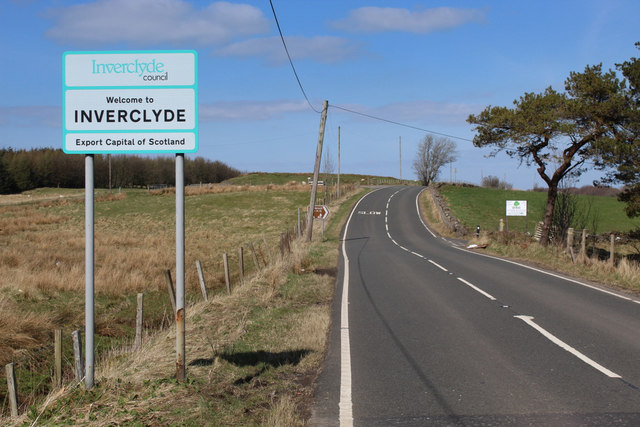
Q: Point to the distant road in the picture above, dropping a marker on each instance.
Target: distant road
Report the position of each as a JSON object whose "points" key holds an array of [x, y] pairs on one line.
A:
{"points": [[429, 333]]}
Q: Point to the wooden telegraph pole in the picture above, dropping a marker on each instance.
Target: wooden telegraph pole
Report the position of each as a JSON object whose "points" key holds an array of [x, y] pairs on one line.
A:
{"points": [[400, 150], [338, 162], [316, 171]]}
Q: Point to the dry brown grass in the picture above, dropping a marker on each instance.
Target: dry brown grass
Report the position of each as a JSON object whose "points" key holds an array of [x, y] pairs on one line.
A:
{"points": [[431, 214], [194, 190], [42, 257], [213, 328], [26, 331]]}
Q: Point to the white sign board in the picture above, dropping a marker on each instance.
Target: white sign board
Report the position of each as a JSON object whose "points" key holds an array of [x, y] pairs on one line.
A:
{"points": [[130, 102], [516, 208]]}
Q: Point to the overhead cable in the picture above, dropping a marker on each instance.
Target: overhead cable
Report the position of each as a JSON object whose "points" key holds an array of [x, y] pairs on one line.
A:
{"points": [[399, 124], [295, 73], [289, 56]]}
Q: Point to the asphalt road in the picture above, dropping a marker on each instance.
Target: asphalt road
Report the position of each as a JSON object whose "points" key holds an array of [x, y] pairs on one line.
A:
{"points": [[426, 332]]}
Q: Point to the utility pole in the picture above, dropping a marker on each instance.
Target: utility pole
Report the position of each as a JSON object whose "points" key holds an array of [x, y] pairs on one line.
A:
{"points": [[316, 171], [338, 161], [400, 148]]}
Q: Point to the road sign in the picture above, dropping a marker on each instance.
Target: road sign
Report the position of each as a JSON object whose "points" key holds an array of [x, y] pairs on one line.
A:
{"points": [[130, 102], [320, 212], [516, 208]]}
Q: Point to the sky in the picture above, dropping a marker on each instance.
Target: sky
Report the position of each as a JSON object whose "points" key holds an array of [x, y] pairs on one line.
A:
{"points": [[414, 64]]}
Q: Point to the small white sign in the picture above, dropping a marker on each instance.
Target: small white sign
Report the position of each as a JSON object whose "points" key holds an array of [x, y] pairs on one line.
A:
{"points": [[134, 102], [516, 208]]}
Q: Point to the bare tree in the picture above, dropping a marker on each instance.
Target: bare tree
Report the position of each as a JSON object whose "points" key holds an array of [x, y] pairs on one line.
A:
{"points": [[433, 153]]}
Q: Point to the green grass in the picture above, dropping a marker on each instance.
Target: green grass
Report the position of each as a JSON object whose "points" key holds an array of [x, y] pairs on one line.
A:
{"points": [[486, 206]]}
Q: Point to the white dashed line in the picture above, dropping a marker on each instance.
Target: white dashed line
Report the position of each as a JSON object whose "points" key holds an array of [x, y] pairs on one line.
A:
{"points": [[477, 289], [438, 265], [529, 321]]}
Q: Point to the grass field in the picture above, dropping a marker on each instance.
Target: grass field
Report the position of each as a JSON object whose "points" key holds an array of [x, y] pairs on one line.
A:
{"points": [[258, 178], [251, 344], [486, 206]]}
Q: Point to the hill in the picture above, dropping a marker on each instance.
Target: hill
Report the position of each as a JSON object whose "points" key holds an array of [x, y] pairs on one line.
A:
{"points": [[486, 206], [279, 178]]}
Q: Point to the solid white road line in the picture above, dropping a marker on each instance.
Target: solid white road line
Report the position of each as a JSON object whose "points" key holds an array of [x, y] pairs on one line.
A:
{"points": [[529, 321], [526, 266], [548, 273], [345, 405], [477, 289]]}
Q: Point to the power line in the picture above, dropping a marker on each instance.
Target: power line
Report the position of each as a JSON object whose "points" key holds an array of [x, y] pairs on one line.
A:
{"points": [[399, 124], [295, 73], [289, 56]]}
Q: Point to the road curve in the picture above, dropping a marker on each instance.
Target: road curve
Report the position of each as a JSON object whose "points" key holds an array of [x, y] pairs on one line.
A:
{"points": [[428, 333]]}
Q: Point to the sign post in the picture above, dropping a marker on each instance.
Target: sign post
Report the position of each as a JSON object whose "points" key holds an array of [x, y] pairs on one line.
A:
{"points": [[321, 212], [130, 102]]}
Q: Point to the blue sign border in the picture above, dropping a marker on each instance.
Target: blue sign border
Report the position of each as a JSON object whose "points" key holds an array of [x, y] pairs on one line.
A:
{"points": [[66, 88]]}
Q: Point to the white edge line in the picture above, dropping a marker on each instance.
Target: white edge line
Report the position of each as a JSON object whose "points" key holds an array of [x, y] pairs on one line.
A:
{"points": [[477, 289], [529, 321], [548, 273], [526, 266], [438, 265], [345, 404]]}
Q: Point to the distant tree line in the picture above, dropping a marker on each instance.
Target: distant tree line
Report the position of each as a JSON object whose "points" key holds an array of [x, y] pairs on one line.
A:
{"points": [[22, 170]]}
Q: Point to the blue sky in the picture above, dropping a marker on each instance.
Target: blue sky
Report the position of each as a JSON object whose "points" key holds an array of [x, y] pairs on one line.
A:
{"points": [[422, 63]]}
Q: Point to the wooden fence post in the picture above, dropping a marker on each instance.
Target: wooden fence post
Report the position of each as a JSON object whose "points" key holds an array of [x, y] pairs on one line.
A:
{"points": [[77, 355], [612, 249], [225, 261], [12, 385], [254, 256], [264, 261], [569, 237], [583, 243], [58, 357], [203, 285], [282, 245], [139, 318], [241, 263], [172, 292], [267, 250]]}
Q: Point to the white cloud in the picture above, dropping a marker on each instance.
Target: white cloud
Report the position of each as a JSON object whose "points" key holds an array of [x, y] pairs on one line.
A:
{"points": [[154, 22], [382, 19], [325, 49], [250, 110]]}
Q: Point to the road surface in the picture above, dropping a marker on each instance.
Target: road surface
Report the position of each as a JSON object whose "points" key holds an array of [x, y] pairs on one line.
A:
{"points": [[426, 332]]}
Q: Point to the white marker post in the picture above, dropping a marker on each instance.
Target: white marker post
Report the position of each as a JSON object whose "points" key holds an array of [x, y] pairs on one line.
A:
{"points": [[130, 102]]}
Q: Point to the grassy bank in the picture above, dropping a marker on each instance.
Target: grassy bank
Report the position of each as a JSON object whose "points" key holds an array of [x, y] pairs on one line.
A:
{"points": [[486, 206], [624, 274], [252, 355]]}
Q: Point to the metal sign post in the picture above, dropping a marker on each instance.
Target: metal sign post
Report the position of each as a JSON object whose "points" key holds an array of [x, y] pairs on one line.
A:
{"points": [[130, 102], [180, 299], [89, 269]]}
